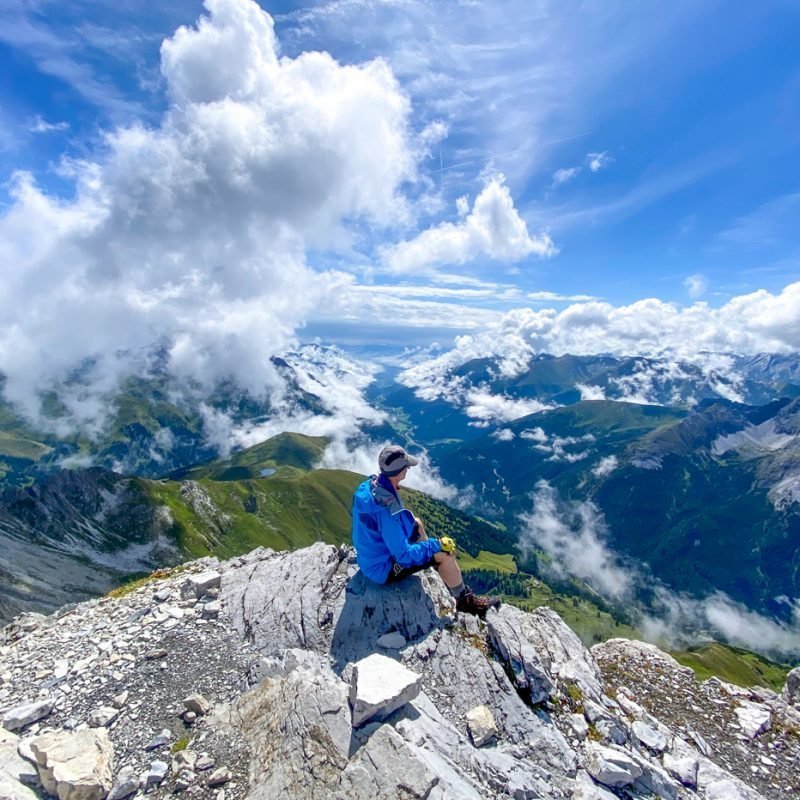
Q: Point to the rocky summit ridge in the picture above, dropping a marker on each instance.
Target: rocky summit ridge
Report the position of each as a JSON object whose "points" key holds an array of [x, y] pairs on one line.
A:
{"points": [[287, 674]]}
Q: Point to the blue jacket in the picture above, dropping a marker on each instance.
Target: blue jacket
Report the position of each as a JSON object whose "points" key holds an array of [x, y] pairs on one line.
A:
{"points": [[382, 528]]}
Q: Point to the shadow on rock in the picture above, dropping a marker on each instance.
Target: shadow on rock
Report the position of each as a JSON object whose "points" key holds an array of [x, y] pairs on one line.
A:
{"points": [[370, 610]]}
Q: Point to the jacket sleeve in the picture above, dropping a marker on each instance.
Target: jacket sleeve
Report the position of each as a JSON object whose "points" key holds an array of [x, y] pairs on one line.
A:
{"points": [[395, 538]]}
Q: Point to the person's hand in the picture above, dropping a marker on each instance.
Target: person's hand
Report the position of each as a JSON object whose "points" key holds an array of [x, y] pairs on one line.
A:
{"points": [[448, 544]]}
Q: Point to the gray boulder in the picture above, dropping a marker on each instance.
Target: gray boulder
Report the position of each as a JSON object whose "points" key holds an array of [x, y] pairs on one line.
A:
{"points": [[75, 766], [611, 766], [791, 689], [512, 634], [26, 714]]}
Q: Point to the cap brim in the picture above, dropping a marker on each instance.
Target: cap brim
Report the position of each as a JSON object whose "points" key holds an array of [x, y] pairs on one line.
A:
{"points": [[411, 461]]}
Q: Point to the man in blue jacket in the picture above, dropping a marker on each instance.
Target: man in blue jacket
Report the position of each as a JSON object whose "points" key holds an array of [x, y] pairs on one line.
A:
{"points": [[391, 542]]}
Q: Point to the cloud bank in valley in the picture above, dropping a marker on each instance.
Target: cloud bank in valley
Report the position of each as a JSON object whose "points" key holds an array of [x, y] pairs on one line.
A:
{"points": [[574, 535]]}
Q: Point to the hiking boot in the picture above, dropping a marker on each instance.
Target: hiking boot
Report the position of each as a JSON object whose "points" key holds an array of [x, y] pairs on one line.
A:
{"points": [[478, 604]]}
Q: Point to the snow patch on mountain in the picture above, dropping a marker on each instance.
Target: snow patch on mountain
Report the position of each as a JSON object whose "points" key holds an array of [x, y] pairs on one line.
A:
{"points": [[754, 440]]}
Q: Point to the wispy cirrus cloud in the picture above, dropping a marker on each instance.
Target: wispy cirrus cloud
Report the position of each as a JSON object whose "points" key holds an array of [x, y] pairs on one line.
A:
{"points": [[594, 162], [41, 125], [771, 224]]}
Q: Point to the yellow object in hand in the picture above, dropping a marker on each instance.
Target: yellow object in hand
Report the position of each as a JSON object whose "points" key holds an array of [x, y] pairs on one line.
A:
{"points": [[448, 544]]}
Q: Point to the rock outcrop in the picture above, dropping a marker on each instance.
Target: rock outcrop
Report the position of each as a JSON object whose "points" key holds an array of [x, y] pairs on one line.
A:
{"points": [[248, 679]]}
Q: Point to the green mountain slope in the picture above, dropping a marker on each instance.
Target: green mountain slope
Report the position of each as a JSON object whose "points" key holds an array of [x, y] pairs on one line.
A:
{"points": [[706, 518], [284, 450], [291, 508], [561, 446], [734, 665]]}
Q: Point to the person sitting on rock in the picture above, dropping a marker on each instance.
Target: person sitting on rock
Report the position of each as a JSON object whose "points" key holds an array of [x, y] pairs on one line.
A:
{"points": [[391, 542]]}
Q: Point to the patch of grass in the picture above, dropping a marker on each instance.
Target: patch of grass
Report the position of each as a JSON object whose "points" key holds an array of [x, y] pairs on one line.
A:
{"points": [[134, 582], [180, 744], [13, 446], [488, 561], [733, 665]]}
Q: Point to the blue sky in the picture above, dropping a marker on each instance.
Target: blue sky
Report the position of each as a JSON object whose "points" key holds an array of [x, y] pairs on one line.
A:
{"points": [[538, 155]]}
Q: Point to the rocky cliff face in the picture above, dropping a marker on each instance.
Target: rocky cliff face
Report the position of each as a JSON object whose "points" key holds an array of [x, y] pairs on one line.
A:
{"points": [[74, 535], [289, 675]]}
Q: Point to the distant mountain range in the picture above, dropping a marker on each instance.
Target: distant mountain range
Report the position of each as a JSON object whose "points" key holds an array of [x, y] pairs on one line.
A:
{"points": [[700, 488]]}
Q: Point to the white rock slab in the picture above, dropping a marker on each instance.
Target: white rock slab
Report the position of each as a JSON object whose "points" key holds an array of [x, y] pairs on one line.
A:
{"points": [[579, 724], [204, 581], [11, 789], [380, 686], [23, 715], [75, 766], [103, 716], [197, 703], [684, 769], [587, 789], [481, 724], [611, 767], [650, 737], [753, 718], [12, 763]]}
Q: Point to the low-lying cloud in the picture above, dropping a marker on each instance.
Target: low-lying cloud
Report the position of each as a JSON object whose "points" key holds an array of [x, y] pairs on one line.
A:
{"points": [[760, 322], [574, 535]]}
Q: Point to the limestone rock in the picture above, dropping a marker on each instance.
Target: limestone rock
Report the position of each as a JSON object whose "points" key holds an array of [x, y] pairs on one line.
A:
{"points": [[587, 789], [611, 767], [197, 704], [753, 718], [219, 776], [75, 766], [26, 714], [11, 789], [380, 686], [791, 689], [103, 716], [201, 583], [12, 762], [126, 784], [203, 763], [649, 737], [511, 633], [159, 740], [563, 653], [156, 774], [684, 769], [211, 610], [481, 725]]}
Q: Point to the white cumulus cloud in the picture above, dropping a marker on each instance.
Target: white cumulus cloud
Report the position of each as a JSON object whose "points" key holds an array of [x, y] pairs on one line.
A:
{"points": [[192, 233], [492, 229]]}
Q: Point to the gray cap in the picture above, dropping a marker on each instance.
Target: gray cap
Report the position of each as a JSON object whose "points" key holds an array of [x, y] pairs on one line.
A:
{"points": [[394, 459]]}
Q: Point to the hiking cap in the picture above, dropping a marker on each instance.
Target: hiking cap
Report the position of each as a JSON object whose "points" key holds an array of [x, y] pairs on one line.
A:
{"points": [[394, 459]]}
